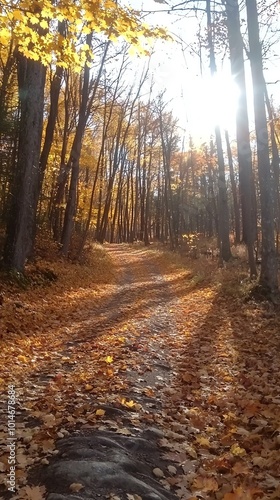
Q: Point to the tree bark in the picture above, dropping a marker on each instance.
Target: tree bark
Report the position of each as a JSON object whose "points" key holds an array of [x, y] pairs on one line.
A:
{"points": [[234, 191], [224, 243], [242, 129], [268, 277], [75, 154], [26, 187], [54, 97]]}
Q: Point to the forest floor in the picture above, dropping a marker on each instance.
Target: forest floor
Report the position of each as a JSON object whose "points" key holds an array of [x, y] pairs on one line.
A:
{"points": [[141, 375]]}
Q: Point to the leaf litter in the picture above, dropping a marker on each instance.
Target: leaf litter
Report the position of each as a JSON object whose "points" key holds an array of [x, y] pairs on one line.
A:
{"points": [[148, 345]]}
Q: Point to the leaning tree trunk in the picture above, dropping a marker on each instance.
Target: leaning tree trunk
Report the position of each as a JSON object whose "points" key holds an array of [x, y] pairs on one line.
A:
{"points": [[268, 276], [26, 187]]}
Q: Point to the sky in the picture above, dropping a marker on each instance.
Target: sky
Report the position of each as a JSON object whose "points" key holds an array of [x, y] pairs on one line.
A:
{"points": [[197, 100]]}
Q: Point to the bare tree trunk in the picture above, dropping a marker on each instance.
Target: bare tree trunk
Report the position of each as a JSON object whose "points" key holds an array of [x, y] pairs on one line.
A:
{"points": [[54, 96], [268, 276], [26, 189], [224, 243], [242, 129], [56, 212], [75, 154], [275, 166], [234, 191]]}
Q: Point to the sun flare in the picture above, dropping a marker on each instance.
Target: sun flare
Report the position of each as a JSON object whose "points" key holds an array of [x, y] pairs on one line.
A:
{"points": [[214, 102]]}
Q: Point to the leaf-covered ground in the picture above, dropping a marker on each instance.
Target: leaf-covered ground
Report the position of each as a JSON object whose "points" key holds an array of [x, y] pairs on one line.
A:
{"points": [[138, 339]]}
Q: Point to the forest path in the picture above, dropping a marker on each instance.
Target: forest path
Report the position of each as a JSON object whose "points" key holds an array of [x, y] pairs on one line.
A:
{"points": [[159, 386]]}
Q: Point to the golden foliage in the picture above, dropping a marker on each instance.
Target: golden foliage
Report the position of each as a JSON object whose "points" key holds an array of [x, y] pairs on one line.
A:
{"points": [[33, 27]]}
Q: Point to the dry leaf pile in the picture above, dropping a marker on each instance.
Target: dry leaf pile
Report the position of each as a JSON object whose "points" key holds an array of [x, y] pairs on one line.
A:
{"points": [[87, 344]]}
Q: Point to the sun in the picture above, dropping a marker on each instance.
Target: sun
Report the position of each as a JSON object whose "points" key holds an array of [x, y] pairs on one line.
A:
{"points": [[211, 101], [199, 101]]}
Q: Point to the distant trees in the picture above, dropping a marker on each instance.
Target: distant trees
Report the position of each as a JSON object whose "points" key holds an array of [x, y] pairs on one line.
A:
{"points": [[39, 35]]}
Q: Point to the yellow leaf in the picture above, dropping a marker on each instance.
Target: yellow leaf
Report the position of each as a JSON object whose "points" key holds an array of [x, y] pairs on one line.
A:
{"points": [[4, 36], [88, 387], [204, 442], [44, 24], [17, 15], [33, 19], [237, 451], [109, 359], [129, 404], [100, 412], [22, 358]]}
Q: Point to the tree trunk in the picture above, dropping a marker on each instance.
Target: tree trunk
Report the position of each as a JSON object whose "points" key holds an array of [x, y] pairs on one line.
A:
{"points": [[275, 163], [26, 187], [234, 190], [242, 129], [75, 154], [54, 97], [224, 243], [56, 212], [268, 276]]}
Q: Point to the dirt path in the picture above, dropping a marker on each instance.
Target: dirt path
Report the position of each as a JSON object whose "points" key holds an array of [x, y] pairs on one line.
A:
{"points": [[158, 387]]}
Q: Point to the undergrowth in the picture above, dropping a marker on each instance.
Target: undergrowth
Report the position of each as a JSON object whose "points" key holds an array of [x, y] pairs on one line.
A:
{"points": [[231, 280]]}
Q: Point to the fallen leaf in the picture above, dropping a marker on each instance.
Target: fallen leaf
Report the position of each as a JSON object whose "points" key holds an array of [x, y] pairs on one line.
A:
{"points": [[75, 487], [128, 404], [237, 451], [124, 432], [22, 358], [100, 412], [33, 492], [190, 450], [206, 484], [240, 468], [204, 442], [109, 359]]}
